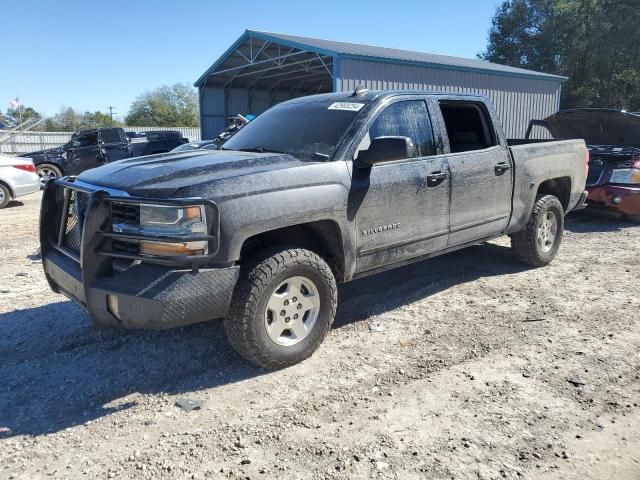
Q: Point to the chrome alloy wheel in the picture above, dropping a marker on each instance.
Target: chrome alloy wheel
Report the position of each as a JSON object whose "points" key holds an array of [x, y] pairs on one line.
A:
{"points": [[46, 174], [292, 311], [547, 232], [2, 196]]}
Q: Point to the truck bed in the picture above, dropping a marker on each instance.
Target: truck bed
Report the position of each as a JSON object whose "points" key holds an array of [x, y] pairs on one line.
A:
{"points": [[534, 160]]}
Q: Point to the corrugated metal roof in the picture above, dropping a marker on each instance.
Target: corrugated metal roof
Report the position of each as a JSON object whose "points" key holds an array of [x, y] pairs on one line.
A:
{"points": [[359, 50], [374, 53]]}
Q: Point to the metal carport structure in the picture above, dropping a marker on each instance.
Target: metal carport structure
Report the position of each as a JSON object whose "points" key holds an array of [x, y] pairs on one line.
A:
{"points": [[261, 69]]}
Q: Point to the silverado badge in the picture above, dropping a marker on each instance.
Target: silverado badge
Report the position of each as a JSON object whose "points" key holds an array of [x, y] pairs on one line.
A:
{"points": [[384, 228]]}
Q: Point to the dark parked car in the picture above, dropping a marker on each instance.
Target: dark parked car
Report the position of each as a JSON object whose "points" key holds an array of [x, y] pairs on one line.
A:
{"points": [[613, 138], [316, 190], [94, 147], [152, 142]]}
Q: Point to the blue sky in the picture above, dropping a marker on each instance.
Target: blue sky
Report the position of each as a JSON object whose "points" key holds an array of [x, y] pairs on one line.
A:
{"points": [[92, 54]]}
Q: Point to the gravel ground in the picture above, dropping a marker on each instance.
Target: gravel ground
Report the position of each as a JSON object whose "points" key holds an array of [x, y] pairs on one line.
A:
{"points": [[483, 369]]}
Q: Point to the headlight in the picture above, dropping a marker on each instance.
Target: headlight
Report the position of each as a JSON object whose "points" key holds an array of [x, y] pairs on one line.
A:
{"points": [[625, 175], [165, 220]]}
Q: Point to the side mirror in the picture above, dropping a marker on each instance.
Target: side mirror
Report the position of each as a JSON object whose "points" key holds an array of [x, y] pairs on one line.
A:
{"points": [[384, 149]]}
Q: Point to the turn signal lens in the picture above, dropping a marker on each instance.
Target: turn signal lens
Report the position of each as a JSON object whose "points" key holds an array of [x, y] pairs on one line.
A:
{"points": [[172, 249]]}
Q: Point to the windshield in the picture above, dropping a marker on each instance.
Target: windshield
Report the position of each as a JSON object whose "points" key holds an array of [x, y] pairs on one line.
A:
{"points": [[309, 131], [190, 146]]}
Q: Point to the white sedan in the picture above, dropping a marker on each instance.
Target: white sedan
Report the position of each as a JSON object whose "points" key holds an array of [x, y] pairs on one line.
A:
{"points": [[17, 177]]}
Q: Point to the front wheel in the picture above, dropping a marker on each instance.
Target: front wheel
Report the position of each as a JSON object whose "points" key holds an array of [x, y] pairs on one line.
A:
{"points": [[5, 196], [282, 309], [540, 240], [47, 173]]}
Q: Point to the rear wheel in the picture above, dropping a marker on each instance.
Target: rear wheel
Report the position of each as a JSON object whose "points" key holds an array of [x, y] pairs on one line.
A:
{"points": [[47, 173], [5, 196], [540, 240], [283, 308]]}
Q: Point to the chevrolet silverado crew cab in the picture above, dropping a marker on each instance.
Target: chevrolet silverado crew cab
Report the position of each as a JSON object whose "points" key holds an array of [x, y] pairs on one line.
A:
{"points": [[315, 191]]}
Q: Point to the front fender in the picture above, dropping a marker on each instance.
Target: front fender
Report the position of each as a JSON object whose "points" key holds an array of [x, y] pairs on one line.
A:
{"points": [[243, 218]]}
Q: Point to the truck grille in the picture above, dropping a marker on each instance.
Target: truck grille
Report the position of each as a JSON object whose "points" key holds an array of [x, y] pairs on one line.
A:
{"points": [[125, 214], [73, 218]]}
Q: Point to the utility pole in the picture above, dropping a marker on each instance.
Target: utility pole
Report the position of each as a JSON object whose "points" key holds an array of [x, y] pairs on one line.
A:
{"points": [[110, 108]]}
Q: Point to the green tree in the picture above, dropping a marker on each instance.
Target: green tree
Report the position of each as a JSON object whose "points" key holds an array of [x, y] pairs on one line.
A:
{"points": [[26, 113], [596, 43], [98, 119], [166, 106]]}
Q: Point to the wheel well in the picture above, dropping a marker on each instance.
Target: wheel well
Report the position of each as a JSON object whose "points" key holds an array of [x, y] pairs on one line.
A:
{"points": [[57, 165], [11, 192], [558, 187], [322, 237]]}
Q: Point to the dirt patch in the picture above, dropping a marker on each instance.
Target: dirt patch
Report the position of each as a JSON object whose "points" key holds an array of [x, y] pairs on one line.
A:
{"points": [[482, 368]]}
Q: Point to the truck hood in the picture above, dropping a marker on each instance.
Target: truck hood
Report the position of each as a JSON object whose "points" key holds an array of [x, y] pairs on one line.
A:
{"points": [[41, 153], [596, 126], [164, 174]]}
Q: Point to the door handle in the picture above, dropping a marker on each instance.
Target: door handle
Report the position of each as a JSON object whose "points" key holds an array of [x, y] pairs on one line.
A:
{"points": [[502, 167], [435, 178]]}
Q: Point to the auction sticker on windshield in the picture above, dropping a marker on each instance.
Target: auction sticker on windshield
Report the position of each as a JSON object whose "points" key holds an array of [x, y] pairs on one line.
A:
{"points": [[351, 107]]}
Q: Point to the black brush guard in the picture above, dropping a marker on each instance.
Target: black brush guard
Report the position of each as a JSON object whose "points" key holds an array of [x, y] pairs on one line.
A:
{"points": [[54, 233], [158, 292]]}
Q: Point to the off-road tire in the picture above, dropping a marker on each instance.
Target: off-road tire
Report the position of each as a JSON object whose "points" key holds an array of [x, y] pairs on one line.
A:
{"points": [[245, 324], [524, 243], [54, 169], [5, 198]]}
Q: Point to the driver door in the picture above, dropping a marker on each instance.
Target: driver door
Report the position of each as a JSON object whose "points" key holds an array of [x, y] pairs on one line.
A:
{"points": [[401, 206], [83, 153]]}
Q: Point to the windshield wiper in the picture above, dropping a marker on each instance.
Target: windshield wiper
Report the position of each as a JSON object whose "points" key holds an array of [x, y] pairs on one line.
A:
{"points": [[259, 150]]}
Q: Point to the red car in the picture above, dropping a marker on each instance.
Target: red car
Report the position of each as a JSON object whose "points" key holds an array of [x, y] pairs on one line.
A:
{"points": [[613, 138]]}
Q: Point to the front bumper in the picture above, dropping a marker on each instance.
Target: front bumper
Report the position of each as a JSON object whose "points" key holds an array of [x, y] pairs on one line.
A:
{"points": [[615, 199], [119, 288], [145, 296]]}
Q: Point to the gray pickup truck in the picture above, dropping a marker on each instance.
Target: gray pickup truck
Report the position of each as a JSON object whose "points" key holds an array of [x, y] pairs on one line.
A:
{"points": [[315, 191]]}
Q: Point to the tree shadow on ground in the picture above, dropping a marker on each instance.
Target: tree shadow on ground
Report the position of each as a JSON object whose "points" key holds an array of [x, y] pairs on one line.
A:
{"points": [[58, 371]]}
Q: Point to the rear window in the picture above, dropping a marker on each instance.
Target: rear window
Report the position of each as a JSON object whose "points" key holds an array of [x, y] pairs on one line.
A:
{"points": [[309, 131]]}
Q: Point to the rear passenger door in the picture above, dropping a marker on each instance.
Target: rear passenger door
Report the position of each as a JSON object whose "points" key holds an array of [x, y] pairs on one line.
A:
{"points": [[114, 144], [401, 206], [481, 172]]}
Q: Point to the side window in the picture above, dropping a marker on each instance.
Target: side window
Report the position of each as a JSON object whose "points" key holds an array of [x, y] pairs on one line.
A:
{"points": [[408, 118], [154, 136], [110, 135], [468, 126], [87, 140]]}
